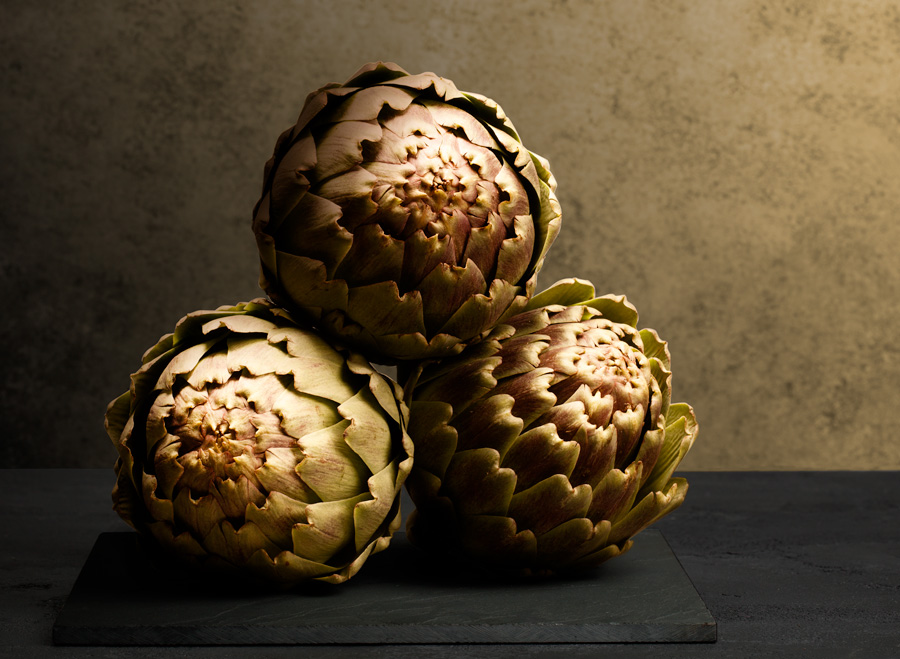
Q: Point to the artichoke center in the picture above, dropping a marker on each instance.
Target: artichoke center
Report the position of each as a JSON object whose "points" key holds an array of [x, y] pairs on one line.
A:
{"points": [[215, 428], [440, 182]]}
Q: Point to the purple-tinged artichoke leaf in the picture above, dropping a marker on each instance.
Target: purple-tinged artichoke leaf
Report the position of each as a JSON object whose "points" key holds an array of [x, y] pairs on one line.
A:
{"points": [[452, 117], [483, 247], [520, 354], [570, 417], [235, 495], [331, 468], [481, 310], [381, 308], [488, 423], [289, 183], [460, 386], [528, 322], [515, 252], [421, 255], [367, 430], [549, 503], [515, 201], [445, 289], [538, 454], [314, 230], [597, 455], [531, 392], [352, 191], [278, 475], [629, 424], [444, 89], [373, 257], [368, 104], [340, 147], [306, 280]]}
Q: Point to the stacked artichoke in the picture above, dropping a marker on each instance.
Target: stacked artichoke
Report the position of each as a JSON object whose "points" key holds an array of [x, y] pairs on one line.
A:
{"points": [[402, 221]]}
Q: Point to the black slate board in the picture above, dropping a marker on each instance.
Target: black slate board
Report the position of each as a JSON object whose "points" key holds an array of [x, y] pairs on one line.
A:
{"points": [[124, 596]]}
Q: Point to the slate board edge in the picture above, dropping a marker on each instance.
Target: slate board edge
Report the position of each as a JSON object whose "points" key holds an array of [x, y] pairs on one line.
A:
{"points": [[387, 634], [712, 621]]}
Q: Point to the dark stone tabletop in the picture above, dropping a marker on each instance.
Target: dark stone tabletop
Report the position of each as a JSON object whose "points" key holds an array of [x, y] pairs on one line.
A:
{"points": [[790, 564]]}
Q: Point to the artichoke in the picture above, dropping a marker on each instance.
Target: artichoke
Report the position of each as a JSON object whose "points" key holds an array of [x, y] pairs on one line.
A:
{"points": [[247, 442], [548, 445], [403, 215]]}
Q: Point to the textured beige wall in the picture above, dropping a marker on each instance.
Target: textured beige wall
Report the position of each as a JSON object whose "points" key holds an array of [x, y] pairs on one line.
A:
{"points": [[732, 166]]}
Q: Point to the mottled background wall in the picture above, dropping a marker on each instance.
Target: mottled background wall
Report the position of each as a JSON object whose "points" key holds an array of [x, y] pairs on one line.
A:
{"points": [[732, 166]]}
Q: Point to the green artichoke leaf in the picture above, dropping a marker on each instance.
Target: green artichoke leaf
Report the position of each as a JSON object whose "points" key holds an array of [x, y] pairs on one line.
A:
{"points": [[680, 432], [649, 509], [559, 544], [330, 525], [367, 430], [370, 515], [565, 292], [478, 484]]}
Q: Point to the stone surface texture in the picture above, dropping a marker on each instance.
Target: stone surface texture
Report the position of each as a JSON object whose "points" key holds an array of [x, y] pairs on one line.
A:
{"points": [[731, 166], [796, 564]]}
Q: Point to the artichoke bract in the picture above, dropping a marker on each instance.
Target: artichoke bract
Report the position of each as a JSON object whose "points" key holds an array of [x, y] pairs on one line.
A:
{"points": [[247, 442], [403, 215], [548, 445]]}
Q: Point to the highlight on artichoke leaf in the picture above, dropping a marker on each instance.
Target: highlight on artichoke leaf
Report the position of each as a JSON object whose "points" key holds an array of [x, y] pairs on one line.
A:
{"points": [[551, 443], [403, 215], [248, 442]]}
